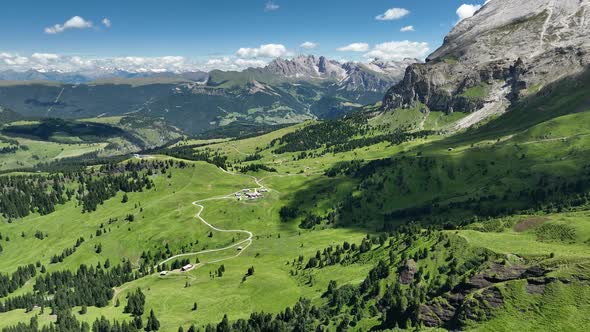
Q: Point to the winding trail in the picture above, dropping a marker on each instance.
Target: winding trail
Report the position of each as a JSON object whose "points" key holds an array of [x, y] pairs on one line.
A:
{"points": [[246, 242], [547, 140]]}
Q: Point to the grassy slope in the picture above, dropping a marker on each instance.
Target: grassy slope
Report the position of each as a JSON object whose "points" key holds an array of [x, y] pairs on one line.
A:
{"points": [[562, 306], [537, 138], [42, 151], [167, 217]]}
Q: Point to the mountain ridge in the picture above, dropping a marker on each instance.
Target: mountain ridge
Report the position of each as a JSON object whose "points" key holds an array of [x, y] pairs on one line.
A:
{"points": [[505, 52], [298, 67]]}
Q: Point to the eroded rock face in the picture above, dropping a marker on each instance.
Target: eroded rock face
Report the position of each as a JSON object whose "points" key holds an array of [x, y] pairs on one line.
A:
{"points": [[450, 87], [476, 299], [480, 306], [508, 29], [507, 50]]}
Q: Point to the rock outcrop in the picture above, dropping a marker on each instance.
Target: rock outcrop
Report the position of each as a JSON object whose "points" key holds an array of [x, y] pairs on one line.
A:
{"points": [[507, 50], [475, 299], [407, 272]]}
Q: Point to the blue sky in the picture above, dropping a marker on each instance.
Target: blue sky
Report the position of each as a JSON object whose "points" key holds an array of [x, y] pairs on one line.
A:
{"points": [[208, 33]]}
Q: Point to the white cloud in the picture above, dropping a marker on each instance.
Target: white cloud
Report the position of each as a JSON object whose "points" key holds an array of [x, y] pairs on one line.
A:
{"points": [[407, 28], [271, 6], [466, 11], [75, 22], [13, 59], [97, 66], [309, 45], [106, 22], [44, 58], [264, 51], [399, 50], [218, 61], [66, 63], [392, 14], [354, 47], [228, 63], [245, 63]]}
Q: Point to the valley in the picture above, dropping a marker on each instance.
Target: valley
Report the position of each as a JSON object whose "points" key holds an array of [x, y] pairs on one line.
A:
{"points": [[284, 92]]}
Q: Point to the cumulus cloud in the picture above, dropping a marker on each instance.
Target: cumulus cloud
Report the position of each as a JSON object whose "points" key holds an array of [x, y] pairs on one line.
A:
{"points": [[49, 62], [399, 50], [218, 61], [308, 45], [66, 63], [354, 47], [466, 11], [229, 63], [245, 63], [393, 14], [271, 6], [44, 58], [75, 22], [136, 63], [264, 51], [106, 22], [407, 28], [13, 60]]}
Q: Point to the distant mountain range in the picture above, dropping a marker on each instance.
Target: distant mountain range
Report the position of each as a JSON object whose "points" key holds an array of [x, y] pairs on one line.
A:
{"points": [[303, 67], [374, 76], [87, 77], [285, 91]]}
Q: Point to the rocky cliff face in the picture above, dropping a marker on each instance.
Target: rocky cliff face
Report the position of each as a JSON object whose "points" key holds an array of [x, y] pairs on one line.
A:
{"points": [[507, 50], [374, 76]]}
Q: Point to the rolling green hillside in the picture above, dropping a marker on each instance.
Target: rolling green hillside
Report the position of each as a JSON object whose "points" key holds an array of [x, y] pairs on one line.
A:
{"points": [[381, 220]]}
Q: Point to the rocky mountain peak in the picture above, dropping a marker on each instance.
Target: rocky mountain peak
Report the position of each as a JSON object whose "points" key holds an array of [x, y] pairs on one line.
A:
{"points": [[306, 66], [507, 29], [391, 67], [507, 50]]}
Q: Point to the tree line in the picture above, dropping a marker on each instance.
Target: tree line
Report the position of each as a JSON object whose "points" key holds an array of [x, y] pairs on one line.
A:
{"points": [[66, 322], [25, 194], [10, 283], [88, 285], [22, 195]]}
